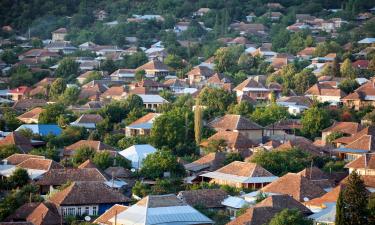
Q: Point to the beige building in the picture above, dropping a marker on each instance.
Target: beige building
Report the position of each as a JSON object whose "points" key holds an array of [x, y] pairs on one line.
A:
{"points": [[59, 34]]}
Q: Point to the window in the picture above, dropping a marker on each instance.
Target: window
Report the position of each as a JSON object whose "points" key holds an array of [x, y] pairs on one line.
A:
{"points": [[94, 212], [71, 211], [65, 211], [79, 212], [87, 210]]}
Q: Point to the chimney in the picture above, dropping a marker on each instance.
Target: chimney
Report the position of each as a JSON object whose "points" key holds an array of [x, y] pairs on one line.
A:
{"points": [[365, 164]]}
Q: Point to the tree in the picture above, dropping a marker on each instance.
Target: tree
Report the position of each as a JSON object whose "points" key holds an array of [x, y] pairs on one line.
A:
{"points": [[290, 216], [19, 178], [57, 88], [9, 57], [68, 68], [94, 75], [37, 43], [51, 113], [336, 68], [282, 162], [352, 209], [9, 120], [140, 189], [70, 95], [347, 70], [216, 100], [304, 80], [348, 85], [233, 156], [154, 165], [340, 210], [270, 114], [333, 136], [314, 120], [245, 62], [243, 108], [82, 154], [226, 58], [174, 61], [109, 66], [102, 160], [198, 123], [140, 75], [8, 150], [174, 130], [21, 75]]}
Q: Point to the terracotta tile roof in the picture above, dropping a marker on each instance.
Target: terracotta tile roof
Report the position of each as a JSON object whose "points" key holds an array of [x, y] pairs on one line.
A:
{"points": [[45, 81], [32, 114], [246, 98], [365, 161], [318, 177], [89, 118], [40, 164], [208, 198], [156, 201], [325, 90], [114, 92], [61, 30], [361, 64], [38, 90], [365, 131], [61, 176], [22, 212], [248, 83], [87, 164], [330, 196], [234, 140], [17, 139], [245, 169], [109, 214], [366, 89], [295, 185], [288, 124], [25, 104], [272, 143], [146, 118], [283, 202], [299, 100], [153, 65], [20, 90], [366, 142], [278, 63], [95, 145], [308, 51], [201, 71], [16, 159], [118, 172], [210, 162], [234, 122], [369, 180], [344, 127], [86, 193], [37, 213], [302, 143], [219, 78], [255, 216]]}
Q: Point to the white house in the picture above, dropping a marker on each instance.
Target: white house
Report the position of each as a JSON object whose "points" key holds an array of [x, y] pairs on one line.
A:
{"points": [[137, 153], [152, 101]]}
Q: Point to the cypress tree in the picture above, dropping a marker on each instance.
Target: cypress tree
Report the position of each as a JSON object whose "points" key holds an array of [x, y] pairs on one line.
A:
{"points": [[198, 122], [340, 210]]}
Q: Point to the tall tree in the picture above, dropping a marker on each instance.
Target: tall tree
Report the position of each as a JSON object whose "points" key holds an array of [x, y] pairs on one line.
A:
{"points": [[347, 70], [68, 68], [198, 123], [57, 88], [339, 220], [314, 120], [290, 216]]}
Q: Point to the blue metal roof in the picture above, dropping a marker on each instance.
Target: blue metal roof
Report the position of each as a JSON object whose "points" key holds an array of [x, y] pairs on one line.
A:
{"points": [[350, 150], [42, 129]]}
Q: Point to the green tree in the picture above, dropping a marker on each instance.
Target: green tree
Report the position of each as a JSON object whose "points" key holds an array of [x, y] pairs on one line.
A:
{"points": [[21, 75], [82, 154], [19, 178], [217, 100], [140, 75], [243, 108], [340, 210], [270, 114], [304, 80], [10, 120], [141, 190], [109, 66], [9, 57], [290, 216], [8, 150], [232, 156], [353, 209], [174, 61], [347, 69], [226, 58], [336, 68], [198, 123], [348, 85], [245, 62], [333, 136], [156, 164], [51, 113], [102, 160], [70, 95], [37, 43], [94, 75], [314, 120], [67, 69], [57, 88]]}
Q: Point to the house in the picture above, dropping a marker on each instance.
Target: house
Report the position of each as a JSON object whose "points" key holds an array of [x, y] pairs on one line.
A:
{"points": [[109, 214], [123, 75], [175, 85], [254, 89], [325, 93], [201, 12], [145, 86], [81, 198], [301, 143], [282, 127], [38, 54], [318, 177], [295, 104], [233, 205], [362, 97], [295, 185], [42, 129], [273, 16], [141, 126], [35, 213], [83, 77], [17, 158], [31, 116], [346, 128], [367, 41], [154, 69], [19, 93], [306, 53], [55, 178], [152, 101], [219, 80], [361, 64], [241, 175], [250, 17], [207, 198], [100, 15], [88, 121], [320, 203], [353, 147], [97, 146], [89, 106], [264, 52], [61, 46], [233, 142], [264, 211], [240, 124], [199, 74], [18, 140], [161, 209], [364, 165], [137, 153], [59, 34], [181, 26], [115, 93], [210, 162], [28, 104], [257, 29]]}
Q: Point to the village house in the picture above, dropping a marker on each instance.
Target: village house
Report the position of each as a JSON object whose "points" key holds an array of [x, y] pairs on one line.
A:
{"points": [[210, 199], [17, 139], [114, 93], [97, 146], [154, 69], [210, 162], [42, 129], [70, 201], [156, 209], [295, 185], [38, 54], [126, 75], [88, 121], [295, 104], [325, 93], [31, 116], [145, 87], [109, 214], [318, 177], [362, 97], [19, 93], [219, 80], [364, 165], [241, 175], [273, 16], [257, 29], [141, 126], [152, 101], [282, 128], [345, 128], [201, 12], [198, 75], [306, 53], [240, 124], [256, 90], [61, 46], [59, 34]]}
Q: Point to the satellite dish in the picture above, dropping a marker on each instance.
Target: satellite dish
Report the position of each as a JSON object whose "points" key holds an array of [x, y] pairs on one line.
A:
{"points": [[87, 218], [133, 170], [305, 199]]}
